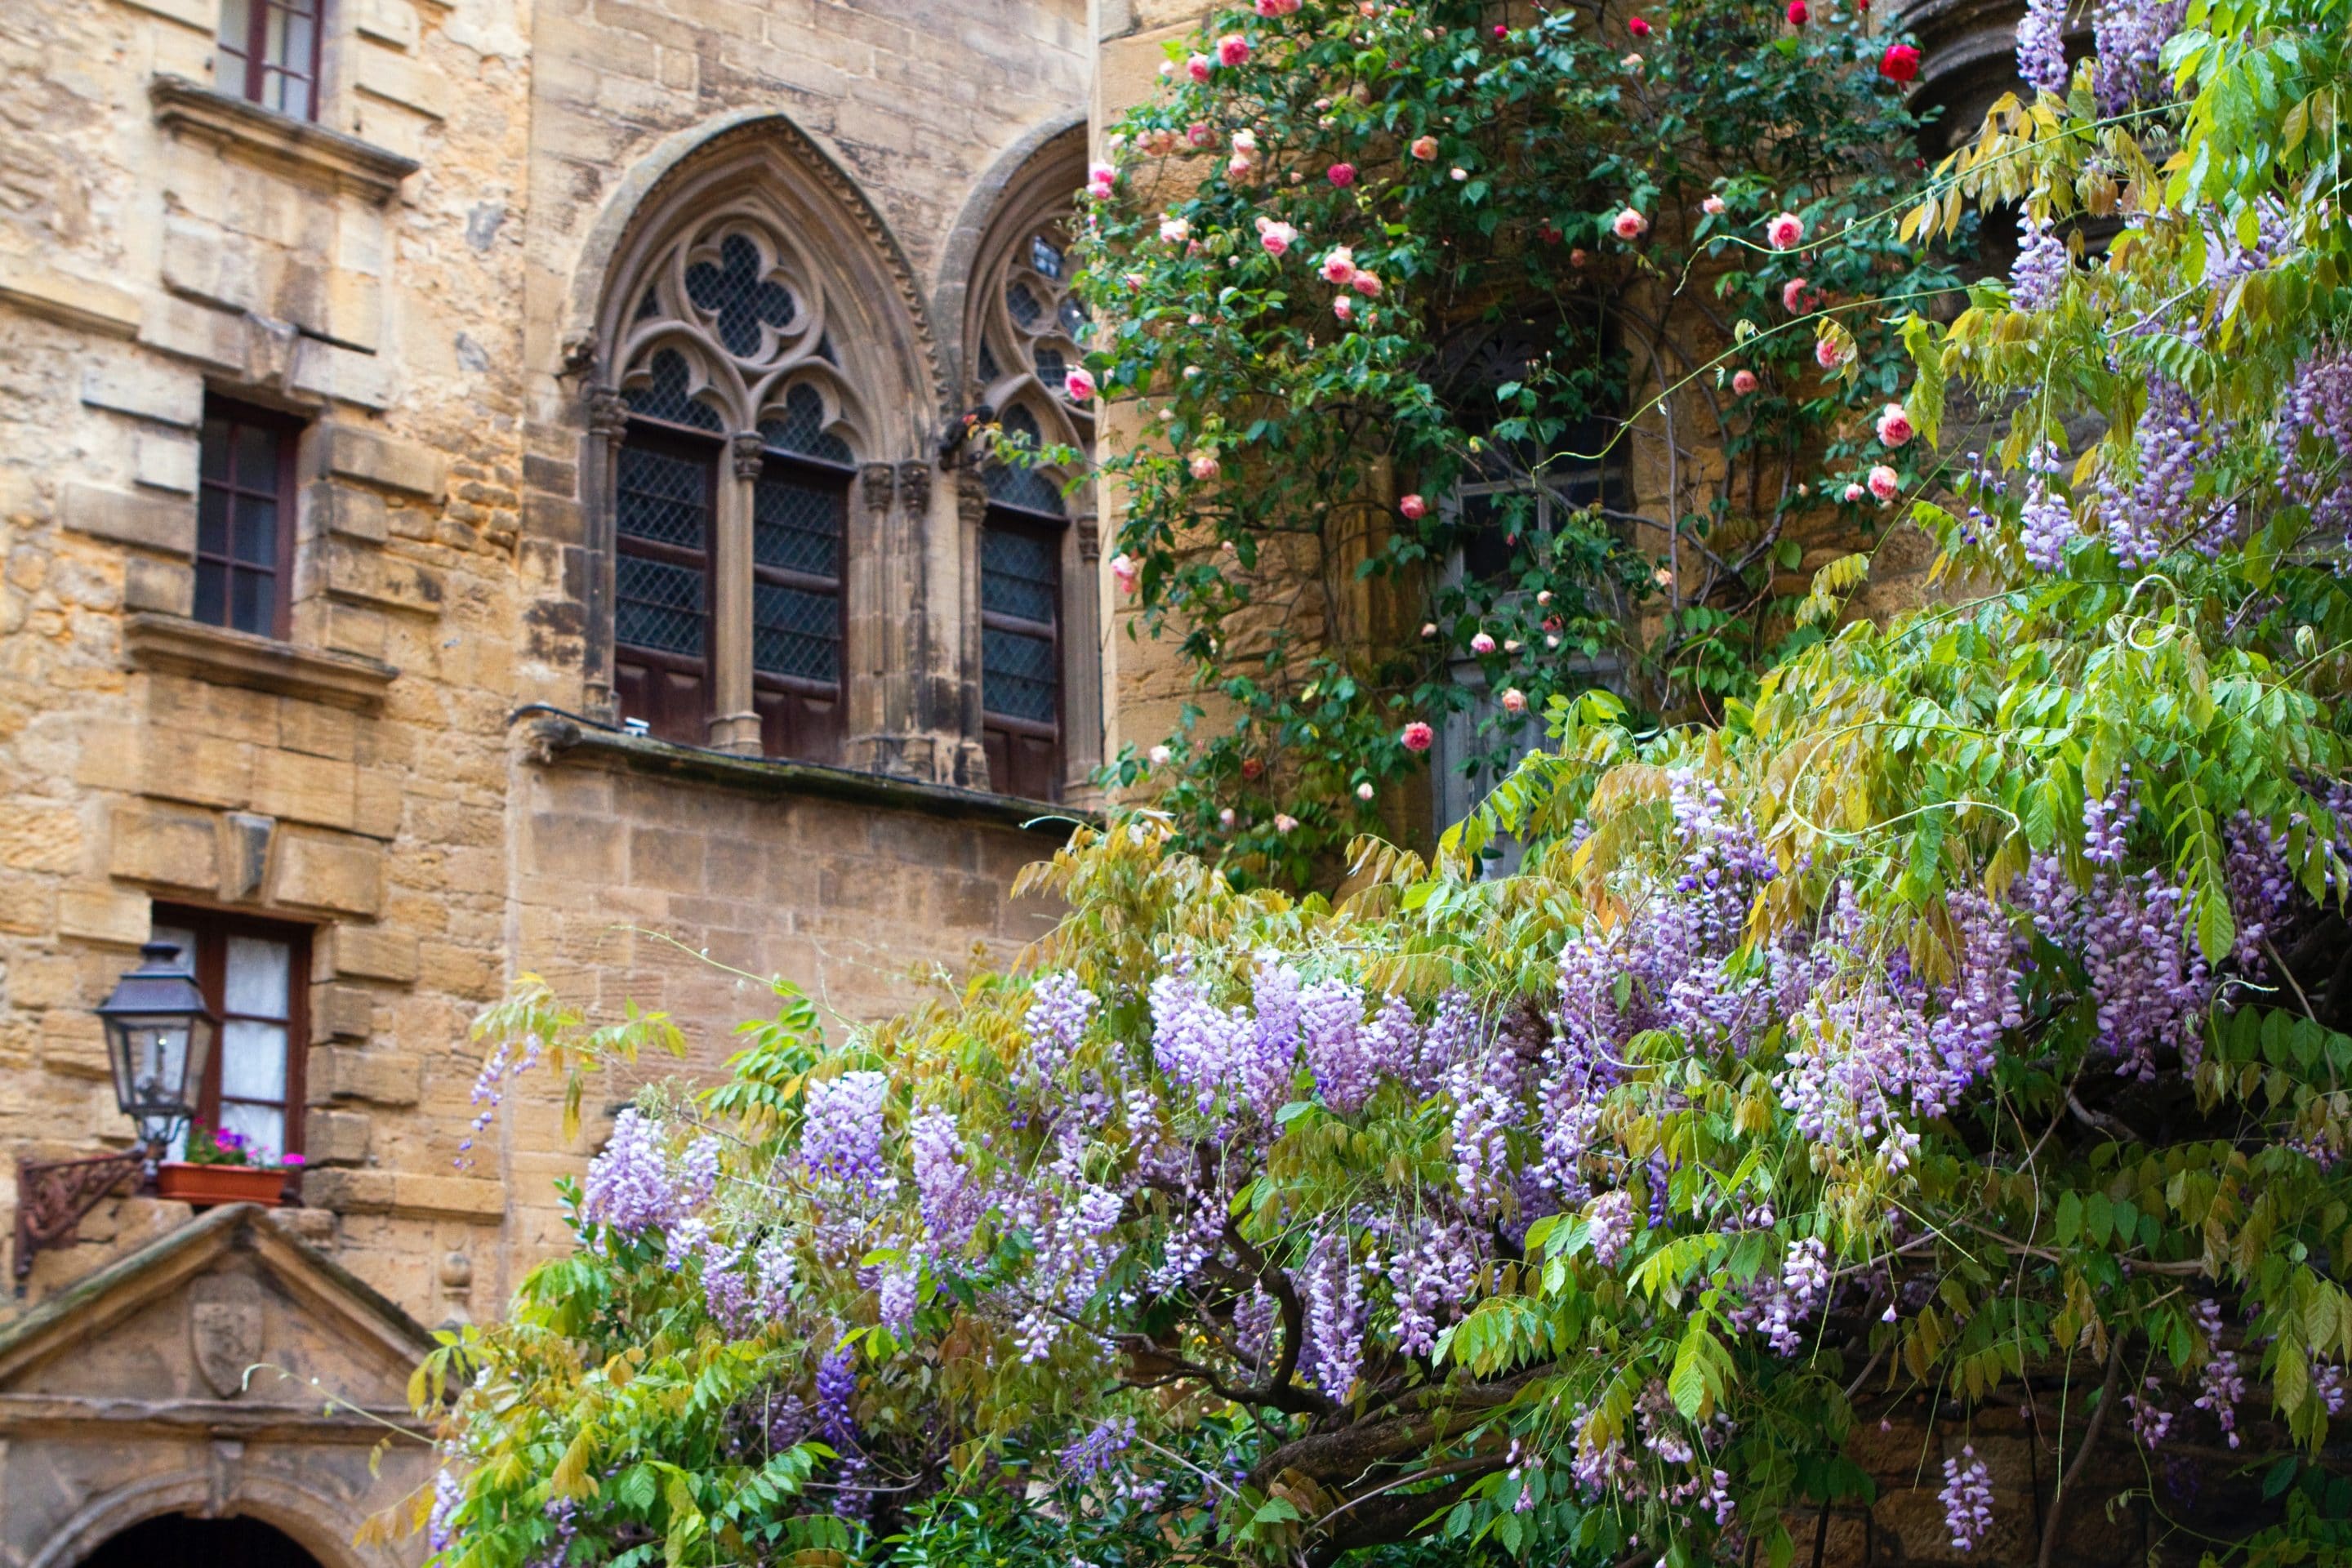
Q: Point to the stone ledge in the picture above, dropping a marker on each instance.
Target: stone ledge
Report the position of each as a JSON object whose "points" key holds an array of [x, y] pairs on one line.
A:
{"points": [[279, 139], [554, 737], [171, 643]]}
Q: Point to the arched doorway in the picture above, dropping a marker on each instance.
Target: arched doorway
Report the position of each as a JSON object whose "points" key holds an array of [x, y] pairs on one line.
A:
{"points": [[183, 1540]]}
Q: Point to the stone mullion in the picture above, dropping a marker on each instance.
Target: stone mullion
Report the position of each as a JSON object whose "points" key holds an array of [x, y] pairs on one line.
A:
{"points": [[608, 421], [1082, 695], [734, 721], [971, 514], [877, 602]]}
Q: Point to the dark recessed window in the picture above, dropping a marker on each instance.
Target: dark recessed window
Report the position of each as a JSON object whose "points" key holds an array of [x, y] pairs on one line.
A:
{"points": [[245, 518], [255, 976], [800, 517], [1021, 653], [269, 54]]}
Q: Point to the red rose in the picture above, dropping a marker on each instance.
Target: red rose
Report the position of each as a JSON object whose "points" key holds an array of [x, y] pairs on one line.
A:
{"points": [[1901, 63], [1638, 27], [1798, 15]]}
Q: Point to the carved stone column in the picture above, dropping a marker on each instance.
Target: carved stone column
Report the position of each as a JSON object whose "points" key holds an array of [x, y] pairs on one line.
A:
{"points": [[734, 721], [972, 513], [1082, 662], [608, 421]]}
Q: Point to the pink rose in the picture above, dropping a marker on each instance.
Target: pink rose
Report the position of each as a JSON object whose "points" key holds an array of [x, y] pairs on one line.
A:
{"points": [[1894, 425], [1276, 7], [1337, 266], [1884, 484], [1364, 791], [1225, 818], [1341, 175], [1367, 284], [1200, 66], [1239, 167], [1199, 133], [1712, 206], [1233, 49], [1798, 296], [1124, 570], [1576, 256], [1782, 231], [1417, 737], [1482, 643], [1175, 230], [1284, 822], [1900, 63], [1514, 699], [1278, 238], [1428, 630], [1743, 382], [1344, 308], [1629, 225], [1078, 384], [1830, 352], [1425, 149], [1413, 507], [1162, 756], [1159, 143], [1204, 464], [1853, 492]]}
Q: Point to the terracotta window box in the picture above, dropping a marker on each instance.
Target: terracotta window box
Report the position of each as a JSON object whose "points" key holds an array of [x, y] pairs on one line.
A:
{"points": [[207, 1187]]}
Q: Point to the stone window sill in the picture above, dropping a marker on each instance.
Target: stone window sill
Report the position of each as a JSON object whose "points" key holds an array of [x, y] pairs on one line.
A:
{"points": [[182, 647], [552, 737], [279, 139]]}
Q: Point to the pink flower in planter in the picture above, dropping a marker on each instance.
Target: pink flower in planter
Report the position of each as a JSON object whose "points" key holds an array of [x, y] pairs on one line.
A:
{"points": [[1629, 225], [1884, 484], [290, 1161], [1743, 382], [1337, 266], [1078, 384], [1413, 507], [1417, 737], [1894, 425], [1425, 148], [1784, 231], [1341, 175], [1200, 66], [1482, 643], [1233, 49], [1514, 699]]}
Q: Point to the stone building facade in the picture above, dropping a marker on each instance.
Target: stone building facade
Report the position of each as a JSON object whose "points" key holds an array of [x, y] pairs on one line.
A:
{"points": [[496, 489], [486, 492]]}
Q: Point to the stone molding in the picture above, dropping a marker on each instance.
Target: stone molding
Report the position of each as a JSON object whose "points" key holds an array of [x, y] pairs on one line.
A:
{"points": [[155, 641], [279, 139]]}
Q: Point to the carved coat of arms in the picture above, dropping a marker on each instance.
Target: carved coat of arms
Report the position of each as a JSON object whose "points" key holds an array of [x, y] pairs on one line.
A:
{"points": [[225, 1330]]}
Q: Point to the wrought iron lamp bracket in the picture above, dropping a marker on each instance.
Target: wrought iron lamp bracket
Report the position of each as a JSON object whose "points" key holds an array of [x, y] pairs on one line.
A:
{"points": [[53, 1195]]}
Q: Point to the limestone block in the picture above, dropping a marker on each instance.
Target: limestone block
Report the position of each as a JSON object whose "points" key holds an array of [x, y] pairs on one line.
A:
{"points": [[458, 1197], [352, 628], [165, 394], [341, 1013], [397, 78], [81, 302], [205, 263], [164, 462], [317, 730], [159, 843], [360, 1072], [347, 375], [336, 1138], [201, 15], [152, 584], [357, 572], [376, 803], [105, 914], [348, 452], [338, 874], [147, 522], [348, 509], [350, 310], [376, 953], [390, 22], [210, 337], [300, 787], [348, 1192], [197, 766]]}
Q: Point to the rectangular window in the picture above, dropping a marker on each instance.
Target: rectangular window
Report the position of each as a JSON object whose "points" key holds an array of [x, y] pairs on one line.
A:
{"points": [[799, 515], [245, 518], [269, 54], [1020, 655], [661, 611], [255, 976]]}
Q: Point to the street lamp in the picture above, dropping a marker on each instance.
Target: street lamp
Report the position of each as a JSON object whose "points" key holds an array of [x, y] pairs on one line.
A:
{"points": [[159, 1035], [158, 1039]]}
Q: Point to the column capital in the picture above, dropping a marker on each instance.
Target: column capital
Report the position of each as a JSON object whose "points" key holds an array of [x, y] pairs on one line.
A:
{"points": [[915, 485], [750, 449], [876, 482], [608, 414]]}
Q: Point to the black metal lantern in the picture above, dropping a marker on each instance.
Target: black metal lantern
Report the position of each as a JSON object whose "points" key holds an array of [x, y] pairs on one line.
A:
{"points": [[159, 1037]]}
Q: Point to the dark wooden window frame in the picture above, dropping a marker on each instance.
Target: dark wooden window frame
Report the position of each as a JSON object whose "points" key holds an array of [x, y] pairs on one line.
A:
{"points": [[1052, 530], [253, 57], [795, 466], [288, 430], [706, 451], [213, 929]]}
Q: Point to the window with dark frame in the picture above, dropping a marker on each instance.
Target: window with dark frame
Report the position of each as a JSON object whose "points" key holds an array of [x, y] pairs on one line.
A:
{"points": [[269, 52], [662, 513], [245, 518], [255, 976], [1020, 652], [800, 513]]}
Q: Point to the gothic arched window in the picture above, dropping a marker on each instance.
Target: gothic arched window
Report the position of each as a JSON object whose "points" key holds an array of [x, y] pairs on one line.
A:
{"points": [[732, 492]]}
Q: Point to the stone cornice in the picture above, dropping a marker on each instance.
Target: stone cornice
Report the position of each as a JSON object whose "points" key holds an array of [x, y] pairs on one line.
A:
{"points": [[175, 643], [22, 1413], [280, 140]]}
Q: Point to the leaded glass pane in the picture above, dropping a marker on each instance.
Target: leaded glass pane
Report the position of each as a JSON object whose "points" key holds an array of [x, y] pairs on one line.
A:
{"points": [[1028, 489], [663, 396], [796, 526], [1023, 303], [989, 369], [735, 295], [1051, 368], [1017, 575], [663, 498], [659, 607], [1043, 257], [796, 632], [802, 429], [1017, 675], [1074, 316]]}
